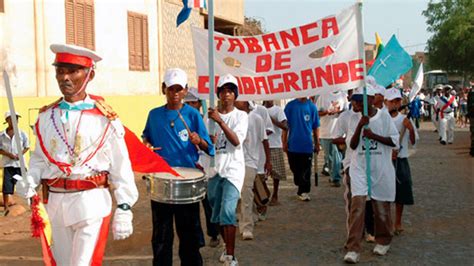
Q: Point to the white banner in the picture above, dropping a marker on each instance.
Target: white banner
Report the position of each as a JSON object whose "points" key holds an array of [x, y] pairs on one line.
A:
{"points": [[315, 58]]}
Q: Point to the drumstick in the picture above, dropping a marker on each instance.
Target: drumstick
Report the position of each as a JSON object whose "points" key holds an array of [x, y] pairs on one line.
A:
{"points": [[156, 149], [186, 126]]}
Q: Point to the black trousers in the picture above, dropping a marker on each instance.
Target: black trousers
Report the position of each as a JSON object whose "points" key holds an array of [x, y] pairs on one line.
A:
{"points": [[300, 165], [188, 228]]}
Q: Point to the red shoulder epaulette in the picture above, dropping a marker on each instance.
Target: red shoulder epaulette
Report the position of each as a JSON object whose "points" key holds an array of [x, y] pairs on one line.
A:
{"points": [[46, 107], [104, 108]]}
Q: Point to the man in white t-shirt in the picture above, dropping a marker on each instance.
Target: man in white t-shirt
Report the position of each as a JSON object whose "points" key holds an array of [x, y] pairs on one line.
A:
{"points": [[382, 136], [330, 105], [264, 157], [225, 187], [341, 130], [279, 121], [256, 137], [407, 130]]}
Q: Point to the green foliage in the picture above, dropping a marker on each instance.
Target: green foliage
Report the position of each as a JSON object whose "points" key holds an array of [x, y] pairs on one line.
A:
{"points": [[451, 47]]}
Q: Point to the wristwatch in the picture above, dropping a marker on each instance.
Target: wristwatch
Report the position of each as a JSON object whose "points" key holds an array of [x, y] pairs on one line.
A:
{"points": [[124, 206]]}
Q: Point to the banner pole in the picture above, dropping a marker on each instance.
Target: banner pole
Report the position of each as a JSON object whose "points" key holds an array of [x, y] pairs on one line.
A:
{"points": [[360, 34], [210, 23], [14, 119]]}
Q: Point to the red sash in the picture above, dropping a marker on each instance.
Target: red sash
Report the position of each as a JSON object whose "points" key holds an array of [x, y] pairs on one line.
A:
{"points": [[446, 105]]}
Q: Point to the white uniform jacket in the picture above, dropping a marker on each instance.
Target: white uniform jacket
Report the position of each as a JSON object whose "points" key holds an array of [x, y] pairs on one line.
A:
{"points": [[89, 129]]}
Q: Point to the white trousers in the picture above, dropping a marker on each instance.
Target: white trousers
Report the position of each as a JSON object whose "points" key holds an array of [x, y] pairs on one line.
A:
{"points": [[74, 245], [446, 127], [246, 220]]}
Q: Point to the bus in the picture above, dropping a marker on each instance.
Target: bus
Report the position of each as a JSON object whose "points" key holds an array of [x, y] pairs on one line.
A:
{"points": [[433, 78]]}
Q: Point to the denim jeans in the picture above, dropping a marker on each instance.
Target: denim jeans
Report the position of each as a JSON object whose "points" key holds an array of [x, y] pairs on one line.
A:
{"points": [[223, 197], [332, 158]]}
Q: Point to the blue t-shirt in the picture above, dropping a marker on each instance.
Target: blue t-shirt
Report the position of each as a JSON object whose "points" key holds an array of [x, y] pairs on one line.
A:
{"points": [[166, 130], [302, 118]]}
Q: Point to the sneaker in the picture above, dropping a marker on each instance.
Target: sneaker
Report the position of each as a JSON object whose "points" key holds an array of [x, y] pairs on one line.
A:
{"points": [[381, 250], [335, 184], [247, 235], [325, 171], [370, 238], [443, 142], [224, 256], [352, 257], [304, 197], [231, 261], [214, 242]]}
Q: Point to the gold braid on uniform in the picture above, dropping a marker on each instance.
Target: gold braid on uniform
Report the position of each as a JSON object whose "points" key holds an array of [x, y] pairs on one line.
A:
{"points": [[46, 107], [106, 110]]}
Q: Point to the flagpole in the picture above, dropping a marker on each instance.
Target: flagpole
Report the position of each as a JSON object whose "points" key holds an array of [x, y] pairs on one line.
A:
{"points": [[14, 119], [210, 23], [360, 35]]}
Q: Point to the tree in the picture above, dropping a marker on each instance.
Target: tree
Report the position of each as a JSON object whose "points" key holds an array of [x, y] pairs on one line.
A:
{"points": [[451, 46], [252, 26]]}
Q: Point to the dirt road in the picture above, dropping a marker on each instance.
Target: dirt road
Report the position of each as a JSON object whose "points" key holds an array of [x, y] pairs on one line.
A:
{"points": [[439, 228]]}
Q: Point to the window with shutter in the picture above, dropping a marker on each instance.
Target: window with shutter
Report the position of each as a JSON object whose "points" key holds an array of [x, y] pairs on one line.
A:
{"points": [[80, 23], [138, 52]]}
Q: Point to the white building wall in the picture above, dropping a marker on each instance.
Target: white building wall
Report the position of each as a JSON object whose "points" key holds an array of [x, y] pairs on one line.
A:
{"points": [[17, 50], [113, 77]]}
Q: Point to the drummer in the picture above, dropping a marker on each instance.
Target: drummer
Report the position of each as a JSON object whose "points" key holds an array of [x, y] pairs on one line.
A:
{"points": [[177, 131]]}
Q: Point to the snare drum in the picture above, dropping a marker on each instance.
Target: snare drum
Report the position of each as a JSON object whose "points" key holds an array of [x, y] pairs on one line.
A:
{"points": [[189, 187]]}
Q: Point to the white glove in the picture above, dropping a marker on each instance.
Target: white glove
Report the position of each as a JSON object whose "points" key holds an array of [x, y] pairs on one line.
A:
{"points": [[122, 225], [25, 186]]}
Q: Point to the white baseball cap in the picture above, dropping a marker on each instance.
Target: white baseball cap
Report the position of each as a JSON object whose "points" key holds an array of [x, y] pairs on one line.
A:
{"points": [[360, 90], [379, 89], [7, 114], [392, 93], [228, 79], [192, 95], [370, 80], [175, 76]]}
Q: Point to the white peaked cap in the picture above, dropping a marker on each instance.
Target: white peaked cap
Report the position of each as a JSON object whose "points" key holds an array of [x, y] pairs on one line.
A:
{"points": [[73, 54]]}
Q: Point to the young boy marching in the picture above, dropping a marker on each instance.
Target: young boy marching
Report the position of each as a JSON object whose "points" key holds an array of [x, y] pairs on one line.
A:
{"points": [[256, 138], [404, 193], [225, 187], [382, 137]]}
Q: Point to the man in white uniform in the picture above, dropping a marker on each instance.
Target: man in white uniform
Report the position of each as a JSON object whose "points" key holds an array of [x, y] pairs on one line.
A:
{"points": [[80, 150], [446, 105]]}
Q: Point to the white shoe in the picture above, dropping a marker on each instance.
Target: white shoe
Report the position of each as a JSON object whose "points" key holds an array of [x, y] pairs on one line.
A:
{"points": [[304, 197], [224, 256], [231, 261], [381, 250], [370, 238], [352, 257], [247, 235]]}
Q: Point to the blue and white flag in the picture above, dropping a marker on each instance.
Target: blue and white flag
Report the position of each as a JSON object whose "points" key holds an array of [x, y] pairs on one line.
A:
{"points": [[393, 62], [188, 5]]}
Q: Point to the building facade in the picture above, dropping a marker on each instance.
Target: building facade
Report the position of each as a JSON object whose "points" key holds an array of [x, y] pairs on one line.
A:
{"points": [[138, 40]]}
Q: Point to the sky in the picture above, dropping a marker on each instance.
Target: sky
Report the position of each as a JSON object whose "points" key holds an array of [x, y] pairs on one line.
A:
{"points": [[386, 17]]}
